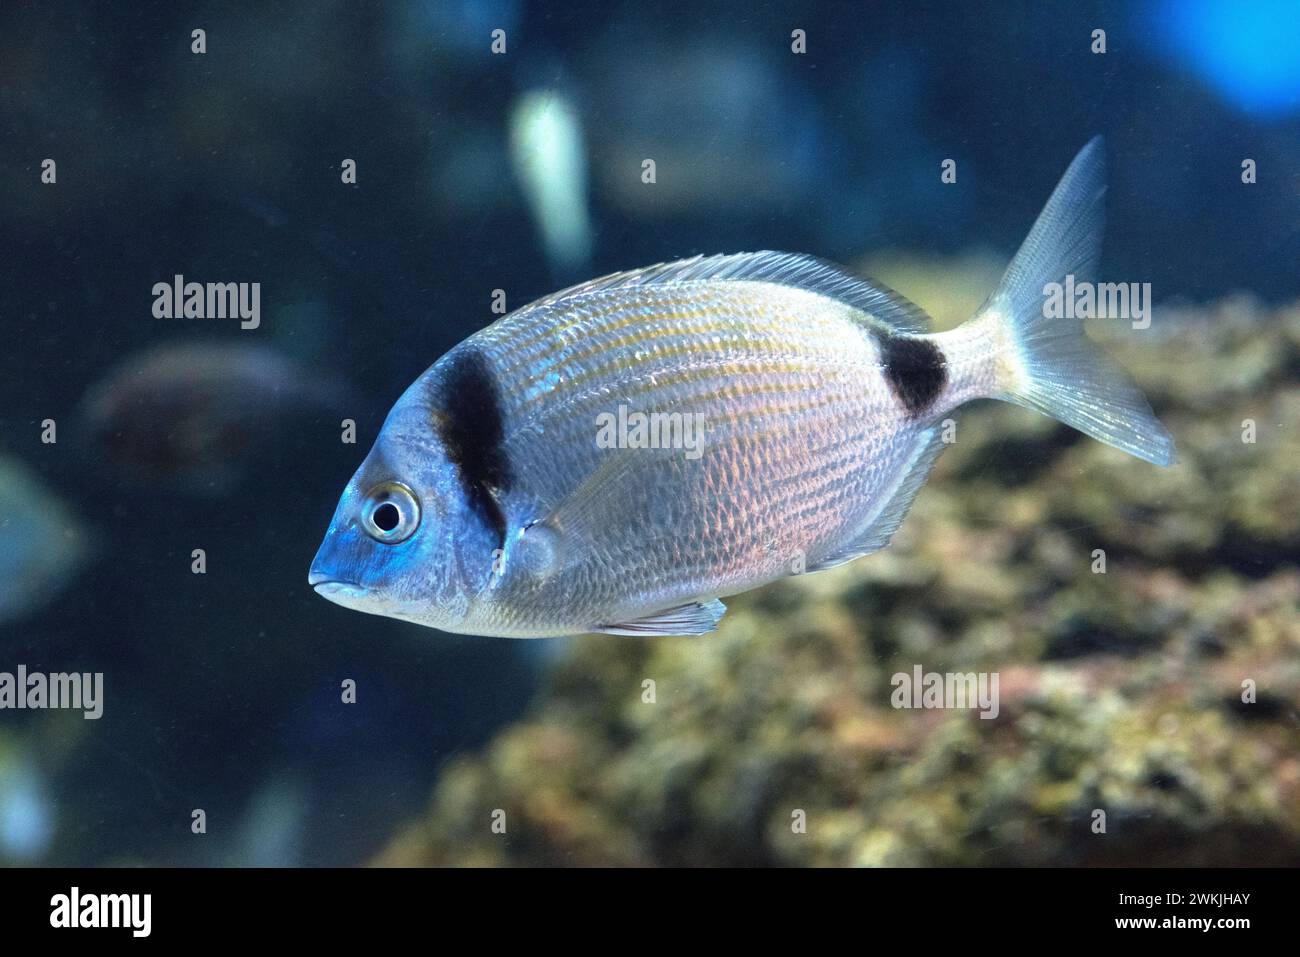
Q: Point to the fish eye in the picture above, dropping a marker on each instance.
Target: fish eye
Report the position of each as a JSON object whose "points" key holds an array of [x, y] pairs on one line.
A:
{"points": [[391, 513]]}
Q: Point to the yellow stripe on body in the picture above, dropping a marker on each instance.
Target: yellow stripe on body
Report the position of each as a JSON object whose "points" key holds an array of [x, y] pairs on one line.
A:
{"points": [[753, 313]]}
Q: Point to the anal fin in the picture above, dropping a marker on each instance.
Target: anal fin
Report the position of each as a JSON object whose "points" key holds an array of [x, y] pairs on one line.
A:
{"points": [[882, 525], [693, 618]]}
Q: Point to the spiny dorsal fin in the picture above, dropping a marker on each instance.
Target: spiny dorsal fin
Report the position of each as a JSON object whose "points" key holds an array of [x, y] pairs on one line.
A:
{"points": [[880, 303]]}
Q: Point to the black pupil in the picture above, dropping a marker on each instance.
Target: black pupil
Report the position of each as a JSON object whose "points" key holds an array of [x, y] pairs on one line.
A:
{"points": [[386, 517]]}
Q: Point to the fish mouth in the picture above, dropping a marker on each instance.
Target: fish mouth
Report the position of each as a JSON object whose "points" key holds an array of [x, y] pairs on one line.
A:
{"points": [[346, 594], [335, 588], [344, 589]]}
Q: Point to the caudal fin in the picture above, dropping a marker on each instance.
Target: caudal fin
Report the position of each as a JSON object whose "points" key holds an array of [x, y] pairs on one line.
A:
{"points": [[1048, 364]]}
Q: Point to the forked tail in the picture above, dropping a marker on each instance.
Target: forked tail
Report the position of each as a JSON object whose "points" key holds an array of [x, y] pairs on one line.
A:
{"points": [[1048, 364]]}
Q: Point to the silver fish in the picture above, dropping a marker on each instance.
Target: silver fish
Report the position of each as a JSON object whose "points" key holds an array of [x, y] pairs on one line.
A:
{"points": [[494, 502]]}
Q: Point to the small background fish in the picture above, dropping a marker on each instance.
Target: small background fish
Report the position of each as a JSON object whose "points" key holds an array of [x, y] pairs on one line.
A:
{"points": [[42, 543], [193, 415], [548, 151]]}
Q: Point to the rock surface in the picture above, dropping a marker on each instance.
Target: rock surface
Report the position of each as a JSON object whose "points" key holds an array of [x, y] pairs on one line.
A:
{"points": [[1121, 693]]}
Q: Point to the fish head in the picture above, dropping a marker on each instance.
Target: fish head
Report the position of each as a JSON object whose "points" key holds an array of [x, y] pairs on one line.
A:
{"points": [[404, 542]]}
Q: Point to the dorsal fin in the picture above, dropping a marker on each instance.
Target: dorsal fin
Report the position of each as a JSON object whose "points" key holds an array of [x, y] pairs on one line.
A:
{"points": [[880, 303]]}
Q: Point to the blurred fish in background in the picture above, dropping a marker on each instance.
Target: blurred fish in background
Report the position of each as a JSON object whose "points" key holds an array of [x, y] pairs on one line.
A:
{"points": [[728, 132], [549, 156], [194, 415], [42, 544], [26, 813], [271, 833]]}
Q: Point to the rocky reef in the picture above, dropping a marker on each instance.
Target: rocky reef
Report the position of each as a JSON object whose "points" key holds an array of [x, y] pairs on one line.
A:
{"points": [[1144, 625]]}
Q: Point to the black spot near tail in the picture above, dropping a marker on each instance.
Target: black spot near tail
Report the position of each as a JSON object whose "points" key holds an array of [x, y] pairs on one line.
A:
{"points": [[915, 369], [469, 422]]}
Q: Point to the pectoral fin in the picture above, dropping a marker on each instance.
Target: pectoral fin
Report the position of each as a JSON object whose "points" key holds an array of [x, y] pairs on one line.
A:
{"points": [[693, 618], [880, 527], [602, 500]]}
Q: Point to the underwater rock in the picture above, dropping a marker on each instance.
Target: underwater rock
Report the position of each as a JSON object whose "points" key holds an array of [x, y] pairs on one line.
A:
{"points": [[1143, 623]]}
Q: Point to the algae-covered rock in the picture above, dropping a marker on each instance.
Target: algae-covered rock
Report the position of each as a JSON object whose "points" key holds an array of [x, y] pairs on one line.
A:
{"points": [[1143, 626]]}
